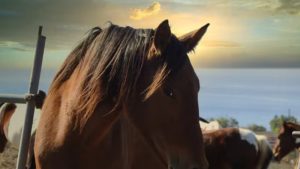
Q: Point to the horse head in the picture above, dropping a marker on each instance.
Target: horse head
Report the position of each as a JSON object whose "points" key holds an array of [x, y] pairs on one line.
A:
{"points": [[167, 113], [137, 77], [285, 142]]}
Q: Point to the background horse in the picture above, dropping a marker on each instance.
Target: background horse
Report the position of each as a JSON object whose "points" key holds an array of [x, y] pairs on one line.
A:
{"points": [[285, 142], [236, 148], [11, 130], [11, 123], [5, 116], [209, 126], [124, 98]]}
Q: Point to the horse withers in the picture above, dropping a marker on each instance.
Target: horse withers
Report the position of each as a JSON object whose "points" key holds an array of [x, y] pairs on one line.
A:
{"points": [[124, 98], [285, 142]]}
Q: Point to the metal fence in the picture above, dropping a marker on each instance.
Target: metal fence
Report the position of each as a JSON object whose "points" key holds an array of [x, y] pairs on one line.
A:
{"points": [[29, 99]]}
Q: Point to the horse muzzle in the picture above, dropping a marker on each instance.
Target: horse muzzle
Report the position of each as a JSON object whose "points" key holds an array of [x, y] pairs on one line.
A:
{"points": [[193, 167], [276, 157]]}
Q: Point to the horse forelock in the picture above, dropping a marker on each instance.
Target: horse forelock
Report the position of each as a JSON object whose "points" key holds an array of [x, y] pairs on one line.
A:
{"points": [[112, 61], [174, 58], [292, 126]]}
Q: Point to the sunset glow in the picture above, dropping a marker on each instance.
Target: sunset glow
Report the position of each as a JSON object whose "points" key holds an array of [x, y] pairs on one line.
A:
{"points": [[259, 33]]}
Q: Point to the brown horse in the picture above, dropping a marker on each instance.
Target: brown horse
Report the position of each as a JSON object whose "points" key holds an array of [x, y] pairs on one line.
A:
{"points": [[124, 98], [13, 136], [285, 142], [5, 116], [10, 124], [236, 148]]}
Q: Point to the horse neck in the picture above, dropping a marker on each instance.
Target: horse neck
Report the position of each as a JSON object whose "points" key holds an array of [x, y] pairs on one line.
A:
{"points": [[117, 134], [6, 116], [296, 127], [135, 147], [4, 122], [126, 132]]}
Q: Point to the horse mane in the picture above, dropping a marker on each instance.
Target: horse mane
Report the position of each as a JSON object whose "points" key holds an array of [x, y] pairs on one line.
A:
{"points": [[292, 125], [111, 62], [74, 59]]}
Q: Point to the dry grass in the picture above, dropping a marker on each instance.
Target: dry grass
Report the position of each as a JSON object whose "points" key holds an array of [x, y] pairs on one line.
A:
{"points": [[9, 157], [281, 166]]}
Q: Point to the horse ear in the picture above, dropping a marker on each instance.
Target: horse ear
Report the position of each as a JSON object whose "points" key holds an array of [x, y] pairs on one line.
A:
{"points": [[285, 125], [190, 40], [162, 36]]}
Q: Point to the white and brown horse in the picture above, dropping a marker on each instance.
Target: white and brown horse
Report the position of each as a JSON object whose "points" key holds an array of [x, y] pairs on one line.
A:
{"points": [[236, 148]]}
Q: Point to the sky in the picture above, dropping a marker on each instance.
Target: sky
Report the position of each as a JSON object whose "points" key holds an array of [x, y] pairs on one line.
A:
{"points": [[242, 34]]}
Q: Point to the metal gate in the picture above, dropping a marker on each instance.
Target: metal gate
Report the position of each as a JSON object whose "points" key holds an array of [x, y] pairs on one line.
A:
{"points": [[29, 99]]}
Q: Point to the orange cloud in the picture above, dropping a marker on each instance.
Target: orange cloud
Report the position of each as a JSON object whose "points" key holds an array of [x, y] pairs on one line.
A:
{"points": [[138, 14]]}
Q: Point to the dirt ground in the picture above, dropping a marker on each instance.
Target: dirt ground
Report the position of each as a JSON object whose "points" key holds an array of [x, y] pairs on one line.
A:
{"points": [[8, 160]]}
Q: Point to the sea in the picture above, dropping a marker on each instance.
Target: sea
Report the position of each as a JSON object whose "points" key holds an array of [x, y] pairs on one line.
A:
{"points": [[251, 96]]}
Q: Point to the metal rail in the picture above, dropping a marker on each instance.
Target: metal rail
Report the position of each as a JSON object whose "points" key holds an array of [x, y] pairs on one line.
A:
{"points": [[29, 99], [12, 98]]}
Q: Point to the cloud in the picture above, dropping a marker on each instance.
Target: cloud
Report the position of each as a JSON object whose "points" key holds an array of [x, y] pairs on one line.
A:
{"points": [[14, 45], [138, 14], [218, 43], [270, 7], [65, 22], [238, 28], [290, 6]]}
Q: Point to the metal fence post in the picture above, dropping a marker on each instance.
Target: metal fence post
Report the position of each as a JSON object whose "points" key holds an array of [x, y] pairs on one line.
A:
{"points": [[33, 89]]}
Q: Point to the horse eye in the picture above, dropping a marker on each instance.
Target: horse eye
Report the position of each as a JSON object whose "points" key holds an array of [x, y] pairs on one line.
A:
{"points": [[169, 92]]}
